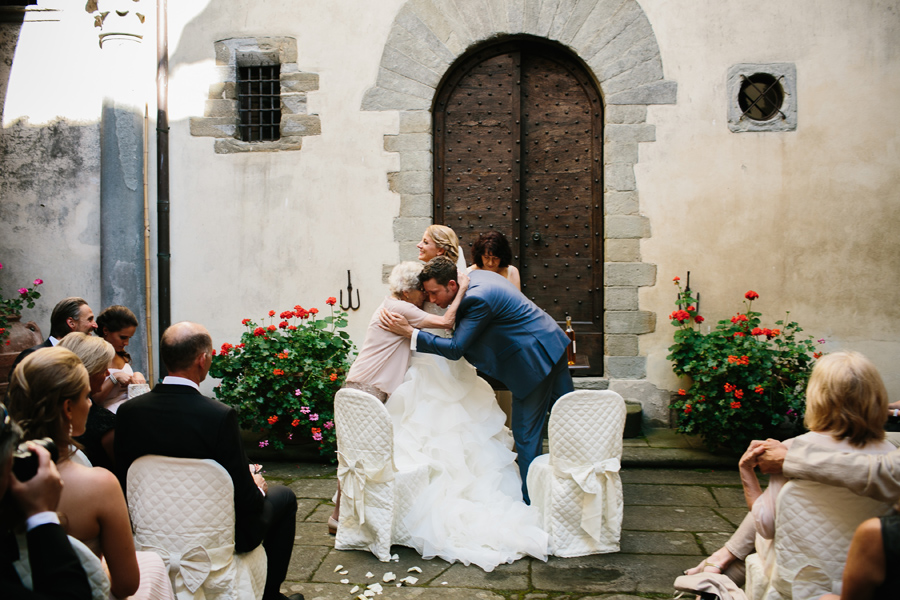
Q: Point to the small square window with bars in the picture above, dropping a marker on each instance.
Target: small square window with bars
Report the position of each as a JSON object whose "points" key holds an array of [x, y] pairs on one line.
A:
{"points": [[259, 103]]}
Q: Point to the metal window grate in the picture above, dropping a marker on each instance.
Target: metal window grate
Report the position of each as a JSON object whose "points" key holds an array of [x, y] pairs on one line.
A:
{"points": [[259, 103]]}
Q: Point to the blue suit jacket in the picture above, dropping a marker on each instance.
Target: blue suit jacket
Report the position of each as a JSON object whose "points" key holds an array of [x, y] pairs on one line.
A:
{"points": [[502, 333]]}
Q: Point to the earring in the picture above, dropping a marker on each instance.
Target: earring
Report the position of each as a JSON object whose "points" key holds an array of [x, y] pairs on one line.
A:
{"points": [[70, 430]]}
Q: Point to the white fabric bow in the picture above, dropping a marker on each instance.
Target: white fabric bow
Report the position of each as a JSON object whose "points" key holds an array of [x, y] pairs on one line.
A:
{"points": [[354, 472], [194, 564], [597, 503]]}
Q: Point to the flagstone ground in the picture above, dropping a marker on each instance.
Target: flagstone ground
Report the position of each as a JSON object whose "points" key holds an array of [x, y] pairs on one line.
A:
{"points": [[681, 503]]}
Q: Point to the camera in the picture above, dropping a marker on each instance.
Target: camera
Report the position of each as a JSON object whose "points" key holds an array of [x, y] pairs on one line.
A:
{"points": [[25, 462]]}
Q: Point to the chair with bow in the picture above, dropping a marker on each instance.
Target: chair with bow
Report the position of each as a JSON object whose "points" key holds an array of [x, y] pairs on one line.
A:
{"points": [[576, 487], [814, 524], [183, 509], [374, 493]]}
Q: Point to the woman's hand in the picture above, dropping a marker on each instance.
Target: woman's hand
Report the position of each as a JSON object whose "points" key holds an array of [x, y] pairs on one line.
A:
{"points": [[396, 324], [138, 378], [462, 279], [750, 459]]}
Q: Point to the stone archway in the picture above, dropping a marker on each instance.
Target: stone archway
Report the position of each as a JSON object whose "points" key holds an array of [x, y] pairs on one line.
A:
{"points": [[615, 40]]}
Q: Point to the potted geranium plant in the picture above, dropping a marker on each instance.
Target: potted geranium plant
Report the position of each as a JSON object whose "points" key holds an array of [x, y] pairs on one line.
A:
{"points": [[11, 308], [744, 381], [282, 376]]}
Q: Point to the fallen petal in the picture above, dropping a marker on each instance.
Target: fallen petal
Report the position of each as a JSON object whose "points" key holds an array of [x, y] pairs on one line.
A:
{"points": [[370, 574], [414, 570], [388, 577], [338, 568], [345, 581]]}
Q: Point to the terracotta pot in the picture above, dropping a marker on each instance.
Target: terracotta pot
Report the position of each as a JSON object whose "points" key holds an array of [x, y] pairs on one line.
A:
{"points": [[21, 336]]}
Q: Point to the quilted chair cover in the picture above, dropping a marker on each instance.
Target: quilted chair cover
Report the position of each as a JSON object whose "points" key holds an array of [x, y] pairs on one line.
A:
{"points": [[374, 495], [814, 524], [576, 487], [92, 566], [183, 509]]}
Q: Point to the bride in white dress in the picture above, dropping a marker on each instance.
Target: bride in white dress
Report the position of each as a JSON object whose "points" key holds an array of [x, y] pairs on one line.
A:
{"points": [[447, 417]]}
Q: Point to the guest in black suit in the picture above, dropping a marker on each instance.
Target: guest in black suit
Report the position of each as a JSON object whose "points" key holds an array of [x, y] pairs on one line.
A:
{"points": [[69, 314], [175, 419], [55, 568]]}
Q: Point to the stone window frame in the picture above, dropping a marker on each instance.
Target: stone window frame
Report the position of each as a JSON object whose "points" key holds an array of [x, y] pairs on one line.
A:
{"points": [[220, 116], [785, 119]]}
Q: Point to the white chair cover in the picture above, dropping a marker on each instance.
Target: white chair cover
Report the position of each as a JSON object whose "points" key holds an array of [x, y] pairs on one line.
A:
{"points": [[576, 487], [814, 524], [374, 495], [92, 566], [183, 509]]}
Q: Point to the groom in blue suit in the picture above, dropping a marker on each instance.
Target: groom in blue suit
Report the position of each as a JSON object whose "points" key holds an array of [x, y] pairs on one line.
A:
{"points": [[506, 336]]}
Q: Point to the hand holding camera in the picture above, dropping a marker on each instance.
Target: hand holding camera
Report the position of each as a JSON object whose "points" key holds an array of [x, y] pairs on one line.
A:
{"points": [[41, 491]]}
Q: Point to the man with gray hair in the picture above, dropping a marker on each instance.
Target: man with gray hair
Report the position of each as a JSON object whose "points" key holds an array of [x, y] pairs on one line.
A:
{"points": [[56, 572], [69, 314]]}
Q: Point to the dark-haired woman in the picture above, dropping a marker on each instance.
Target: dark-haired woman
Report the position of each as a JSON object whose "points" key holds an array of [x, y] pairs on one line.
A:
{"points": [[117, 325], [491, 252]]}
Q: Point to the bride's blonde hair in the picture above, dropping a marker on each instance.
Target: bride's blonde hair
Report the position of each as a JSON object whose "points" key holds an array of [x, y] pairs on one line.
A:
{"points": [[445, 239]]}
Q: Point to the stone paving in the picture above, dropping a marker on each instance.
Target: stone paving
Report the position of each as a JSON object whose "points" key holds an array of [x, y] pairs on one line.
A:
{"points": [[673, 518]]}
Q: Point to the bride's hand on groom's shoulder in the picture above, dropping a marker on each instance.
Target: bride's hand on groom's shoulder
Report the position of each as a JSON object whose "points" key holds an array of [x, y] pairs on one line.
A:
{"points": [[396, 324]]}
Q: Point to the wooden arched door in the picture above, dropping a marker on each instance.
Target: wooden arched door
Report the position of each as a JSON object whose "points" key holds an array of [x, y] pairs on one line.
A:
{"points": [[518, 132]]}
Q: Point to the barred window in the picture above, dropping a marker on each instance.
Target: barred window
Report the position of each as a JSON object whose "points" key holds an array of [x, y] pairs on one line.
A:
{"points": [[259, 103]]}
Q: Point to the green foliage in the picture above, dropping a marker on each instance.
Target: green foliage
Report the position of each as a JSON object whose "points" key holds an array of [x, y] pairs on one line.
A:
{"points": [[13, 306], [744, 379], [282, 378]]}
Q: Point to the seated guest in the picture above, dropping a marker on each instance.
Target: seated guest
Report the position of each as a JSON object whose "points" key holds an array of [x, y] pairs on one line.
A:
{"points": [[175, 419], [48, 396], [117, 325], [491, 252], [846, 405], [69, 314], [98, 438], [56, 571]]}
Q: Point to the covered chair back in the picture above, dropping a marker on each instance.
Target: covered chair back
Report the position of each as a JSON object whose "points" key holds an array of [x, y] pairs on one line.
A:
{"points": [[365, 442], [183, 509], [814, 524], [577, 487]]}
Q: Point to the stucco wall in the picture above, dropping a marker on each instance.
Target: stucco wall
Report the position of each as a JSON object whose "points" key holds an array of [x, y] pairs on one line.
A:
{"points": [[805, 218]]}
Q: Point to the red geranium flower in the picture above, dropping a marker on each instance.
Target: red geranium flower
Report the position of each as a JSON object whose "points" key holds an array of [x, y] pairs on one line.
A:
{"points": [[283, 325], [277, 372], [758, 389], [333, 377], [676, 279], [314, 311], [259, 331], [295, 422], [751, 295], [331, 301], [245, 321], [757, 331], [735, 405], [699, 319], [738, 394], [271, 328], [687, 409], [286, 314], [271, 313], [272, 420]]}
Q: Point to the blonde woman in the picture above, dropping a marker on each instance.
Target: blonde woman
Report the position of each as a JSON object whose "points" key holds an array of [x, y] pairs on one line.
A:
{"points": [[846, 407], [438, 240], [48, 396], [99, 435]]}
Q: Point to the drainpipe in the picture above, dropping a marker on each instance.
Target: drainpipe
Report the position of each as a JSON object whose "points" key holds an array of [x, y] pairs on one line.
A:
{"points": [[162, 171]]}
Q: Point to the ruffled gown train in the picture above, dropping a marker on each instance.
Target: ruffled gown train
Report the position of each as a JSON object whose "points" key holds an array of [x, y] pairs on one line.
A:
{"points": [[447, 417]]}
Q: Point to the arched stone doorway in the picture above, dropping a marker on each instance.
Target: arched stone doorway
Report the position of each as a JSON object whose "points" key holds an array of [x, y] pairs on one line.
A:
{"points": [[616, 43], [518, 130]]}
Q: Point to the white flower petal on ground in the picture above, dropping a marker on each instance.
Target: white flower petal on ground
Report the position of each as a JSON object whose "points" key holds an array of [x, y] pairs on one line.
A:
{"points": [[338, 568], [388, 577], [414, 570]]}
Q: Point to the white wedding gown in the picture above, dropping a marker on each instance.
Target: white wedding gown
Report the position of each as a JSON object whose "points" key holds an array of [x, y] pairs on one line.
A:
{"points": [[447, 417]]}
